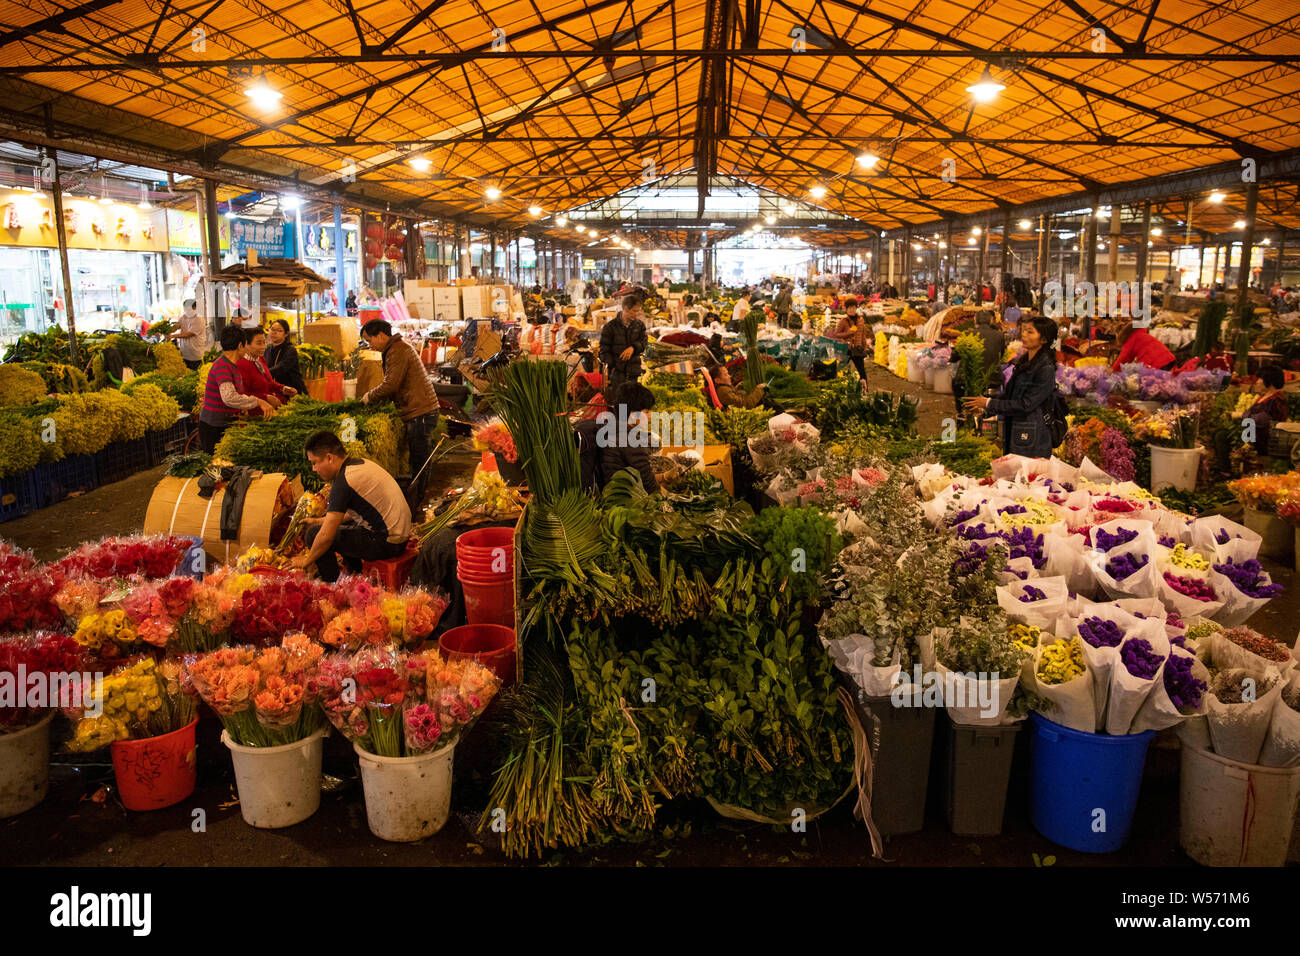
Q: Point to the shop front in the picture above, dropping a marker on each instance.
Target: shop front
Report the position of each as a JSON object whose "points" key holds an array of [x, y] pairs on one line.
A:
{"points": [[185, 241], [320, 243], [115, 259]]}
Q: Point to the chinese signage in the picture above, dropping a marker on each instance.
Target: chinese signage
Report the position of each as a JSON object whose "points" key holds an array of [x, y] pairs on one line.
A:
{"points": [[185, 236], [321, 241], [272, 240], [27, 220]]}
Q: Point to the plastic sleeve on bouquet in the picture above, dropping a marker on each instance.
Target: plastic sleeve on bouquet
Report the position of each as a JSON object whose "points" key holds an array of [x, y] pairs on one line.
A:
{"points": [[1148, 647], [1159, 711], [1073, 698], [1282, 743]]}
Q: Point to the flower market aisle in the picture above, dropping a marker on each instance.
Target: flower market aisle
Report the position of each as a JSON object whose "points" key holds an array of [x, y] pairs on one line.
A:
{"points": [[934, 408]]}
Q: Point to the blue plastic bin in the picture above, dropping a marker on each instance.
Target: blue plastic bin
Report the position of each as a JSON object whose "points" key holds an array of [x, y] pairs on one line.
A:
{"points": [[73, 474], [1073, 775], [18, 495]]}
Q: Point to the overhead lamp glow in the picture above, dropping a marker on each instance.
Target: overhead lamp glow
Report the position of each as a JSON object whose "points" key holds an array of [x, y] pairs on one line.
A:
{"points": [[975, 230], [1157, 231], [580, 228], [1265, 241], [1239, 224], [421, 164], [770, 220], [534, 210], [561, 221], [868, 160], [916, 247], [263, 96], [1216, 197], [492, 193], [1026, 224], [987, 89], [817, 192], [1102, 213], [757, 227], [1076, 248], [942, 245], [290, 202], [788, 208], [970, 241]]}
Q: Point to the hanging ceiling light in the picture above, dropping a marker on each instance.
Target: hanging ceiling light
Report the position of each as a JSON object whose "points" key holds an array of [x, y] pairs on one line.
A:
{"points": [[561, 221], [290, 202], [975, 230], [818, 191], [421, 164], [1026, 224], [492, 193], [770, 220], [868, 160], [987, 89], [1102, 213], [230, 211], [263, 96], [1157, 231], [1239, 224], [1216, 197], [1265, 241], [788, 208], [534, 210], [970, 241], [580, 228]]}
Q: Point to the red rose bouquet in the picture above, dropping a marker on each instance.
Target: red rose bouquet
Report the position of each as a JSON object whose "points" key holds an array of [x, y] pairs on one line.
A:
{"points": [[14, 561], [275, 606], [27, 599], [38, 672], [149, 556]]}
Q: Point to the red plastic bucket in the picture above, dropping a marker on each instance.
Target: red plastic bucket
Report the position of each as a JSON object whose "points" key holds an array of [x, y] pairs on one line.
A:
{"points": [[155, 772], [489, 602], [484, 540], [501, 564], [492, 645], [484, 577], [333, 386]]}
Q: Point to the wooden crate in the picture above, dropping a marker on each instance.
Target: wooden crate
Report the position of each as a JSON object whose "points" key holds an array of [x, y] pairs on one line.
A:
{"points": [[177, 508]]}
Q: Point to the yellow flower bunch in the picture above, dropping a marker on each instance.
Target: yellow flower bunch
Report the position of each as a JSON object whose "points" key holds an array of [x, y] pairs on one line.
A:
{"points": [[111, 626], [1183, 558], [1244, 401], [256, 557], [241, 583], [169, 359], [130, 697], [900, 365], [882, 349], [1026, 635], [1090, 360], [395, 611], [1036, 513], [1061, 662]]}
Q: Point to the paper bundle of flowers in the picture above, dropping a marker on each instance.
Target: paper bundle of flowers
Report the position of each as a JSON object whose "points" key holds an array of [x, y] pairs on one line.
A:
{"points": [[49, 658], [400, 703], [1193, 588], [27, 599], [145, 699], [1060, 662], [266, 696], [1249, 578]]}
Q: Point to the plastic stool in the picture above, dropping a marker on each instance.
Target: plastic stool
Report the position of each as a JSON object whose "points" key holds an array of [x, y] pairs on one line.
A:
{"points": [[391, 573]]}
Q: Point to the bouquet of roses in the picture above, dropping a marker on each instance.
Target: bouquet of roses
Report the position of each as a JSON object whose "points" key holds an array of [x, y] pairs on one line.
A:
{"points": [[49, 658], [150, 556], [160, 615], [14, 561], [27, 597], [266, 696], [400, 704], [310, 505], [496, 438], [412, 615], [270, 607], [146, 699]]}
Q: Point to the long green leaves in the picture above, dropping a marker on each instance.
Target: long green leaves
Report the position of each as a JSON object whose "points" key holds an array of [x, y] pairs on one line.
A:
{"points": [[532, 400]]}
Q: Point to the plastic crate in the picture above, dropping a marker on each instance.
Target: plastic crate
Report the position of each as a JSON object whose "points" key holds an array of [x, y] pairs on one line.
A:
{"points": [[75, 474], [18, 495], [121, 459], [979, 769], [170, 441]]}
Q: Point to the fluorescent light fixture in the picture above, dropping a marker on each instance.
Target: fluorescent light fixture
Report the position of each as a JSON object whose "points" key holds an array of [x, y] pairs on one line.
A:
{"points": [[1216, 197], [290, 202], [868, 160], [534, 210], [970, 241], [817, 192], [492, 193], [263, 97], [420, 164], [987, 89]]}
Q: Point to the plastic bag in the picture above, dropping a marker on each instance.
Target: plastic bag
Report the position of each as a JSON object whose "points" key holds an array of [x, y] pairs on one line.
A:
{"points": [[1241, 543], [1073, 698], [1128, 691], [1158, 711]]}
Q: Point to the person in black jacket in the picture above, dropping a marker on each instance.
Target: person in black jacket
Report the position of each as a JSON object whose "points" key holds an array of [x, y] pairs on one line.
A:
{"points": [[1027, 398], [623, 342], [623, 436], [282, 358]]}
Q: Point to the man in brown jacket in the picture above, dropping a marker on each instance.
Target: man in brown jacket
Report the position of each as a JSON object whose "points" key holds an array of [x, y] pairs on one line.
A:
{"points": [[407, 384]]}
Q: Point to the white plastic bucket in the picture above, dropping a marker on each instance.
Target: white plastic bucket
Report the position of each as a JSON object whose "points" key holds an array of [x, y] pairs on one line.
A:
{"points": [[1174, 467], [1277, 540], [407, 798], [915, 373], [278, 786], [1233, 813], [349, 388], [25, 767], [929, 377], [943, 380]]}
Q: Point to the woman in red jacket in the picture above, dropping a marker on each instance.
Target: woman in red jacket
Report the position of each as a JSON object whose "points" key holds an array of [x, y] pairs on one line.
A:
{"points": [[1139, 345]]}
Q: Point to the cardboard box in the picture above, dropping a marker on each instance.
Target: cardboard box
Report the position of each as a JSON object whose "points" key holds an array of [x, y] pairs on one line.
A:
{"points": [[446, 303], [341, 333], [717, 462], [477, 301]]}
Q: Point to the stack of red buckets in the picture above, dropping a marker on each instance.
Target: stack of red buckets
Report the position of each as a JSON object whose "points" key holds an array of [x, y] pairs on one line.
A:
{"points": [[485, 566]]}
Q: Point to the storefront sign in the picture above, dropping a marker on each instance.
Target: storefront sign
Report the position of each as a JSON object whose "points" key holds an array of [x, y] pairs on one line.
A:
{"points": [[589, 263], [272, 240], [321, 241], [27, 220], [185, 236]]}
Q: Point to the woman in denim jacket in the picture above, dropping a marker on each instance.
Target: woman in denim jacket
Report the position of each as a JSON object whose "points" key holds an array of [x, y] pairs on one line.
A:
{"points": [[1026, 399]]}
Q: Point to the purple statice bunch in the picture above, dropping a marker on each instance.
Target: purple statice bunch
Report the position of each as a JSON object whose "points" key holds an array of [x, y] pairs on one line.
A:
{"points": [[976, 532], [1012, 510], [971, 560], [1025, 544], [1167, 541], [1022, 575], [1248, 578], [1180, 640], [1203, 379], [1105, 540], [1032, 593], [1117, 456], [1100, 632], [1123, 565], [1222, 536], [1140, 659], [963, 516], [1183, 689]]}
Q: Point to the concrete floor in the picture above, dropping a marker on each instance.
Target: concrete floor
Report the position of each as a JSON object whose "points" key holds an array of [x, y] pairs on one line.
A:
{"points": [[83, 823]]}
